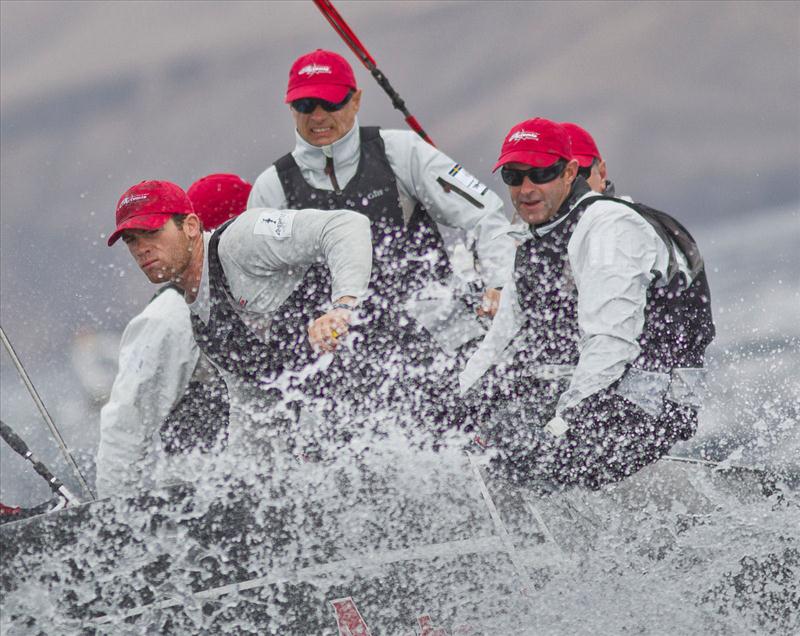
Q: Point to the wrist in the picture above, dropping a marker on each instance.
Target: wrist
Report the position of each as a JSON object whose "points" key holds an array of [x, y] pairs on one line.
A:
{"points": [[345, 302]]}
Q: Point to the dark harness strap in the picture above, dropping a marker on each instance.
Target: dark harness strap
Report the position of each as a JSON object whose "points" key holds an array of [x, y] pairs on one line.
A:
{"points": [[226, 339], [164, 288]]}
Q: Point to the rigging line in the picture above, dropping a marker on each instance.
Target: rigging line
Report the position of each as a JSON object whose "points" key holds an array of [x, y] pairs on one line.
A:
{"points": [[26, 380], [500, 527]]}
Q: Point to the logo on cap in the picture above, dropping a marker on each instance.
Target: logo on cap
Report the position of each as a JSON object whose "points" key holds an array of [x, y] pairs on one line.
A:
{"points": [[523, 135], [314, 69], [131, 198]]}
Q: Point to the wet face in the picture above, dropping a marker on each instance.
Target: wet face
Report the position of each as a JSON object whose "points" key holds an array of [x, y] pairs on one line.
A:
{"points": [[163, 254], [537, 203], [321, 128]]}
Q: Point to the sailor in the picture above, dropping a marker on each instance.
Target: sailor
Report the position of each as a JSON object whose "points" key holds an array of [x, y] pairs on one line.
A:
{"points": [[240, 285], [591, 166], [164, 387], [405, 186], [593, 366]]}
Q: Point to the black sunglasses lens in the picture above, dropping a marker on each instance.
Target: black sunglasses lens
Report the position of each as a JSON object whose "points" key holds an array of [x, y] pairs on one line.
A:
{"points": [[305, 105], [585, 172], [545, 175], [332, 107], [512, 177]]}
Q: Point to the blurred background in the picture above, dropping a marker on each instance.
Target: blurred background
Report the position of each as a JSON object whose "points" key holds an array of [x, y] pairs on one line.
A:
{"points": [[695, 107]]}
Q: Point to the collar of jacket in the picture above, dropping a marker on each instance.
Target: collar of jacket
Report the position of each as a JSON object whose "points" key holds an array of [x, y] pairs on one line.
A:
{"points": [[578, 190], [345, 152]]}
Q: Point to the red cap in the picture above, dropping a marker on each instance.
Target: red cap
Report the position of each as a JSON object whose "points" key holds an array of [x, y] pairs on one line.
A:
{"points": [[537, 142], [322, 74], [148, 205], [583, 147], [218, 197]]}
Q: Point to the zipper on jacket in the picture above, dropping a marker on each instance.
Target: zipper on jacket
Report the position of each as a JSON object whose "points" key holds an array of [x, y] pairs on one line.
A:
{"points": [[329, 171]]}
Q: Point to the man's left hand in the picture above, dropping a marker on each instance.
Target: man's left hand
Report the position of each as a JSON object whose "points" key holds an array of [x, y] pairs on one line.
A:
{"points": [[489, 303]]}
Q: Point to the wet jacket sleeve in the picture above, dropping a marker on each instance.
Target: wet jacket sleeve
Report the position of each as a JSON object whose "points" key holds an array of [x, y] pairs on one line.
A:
{"points": [[492, 349], [614, 255], [156, 360], [263, 243], [267, 191], [453, 198]]}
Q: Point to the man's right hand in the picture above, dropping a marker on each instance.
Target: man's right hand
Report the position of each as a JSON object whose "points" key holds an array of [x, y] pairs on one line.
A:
{"points": [[327, 331]]}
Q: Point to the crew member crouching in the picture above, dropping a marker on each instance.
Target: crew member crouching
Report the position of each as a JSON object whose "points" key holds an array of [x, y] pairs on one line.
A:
{"points": [[595, 358], [239, 283], [166, 398]]}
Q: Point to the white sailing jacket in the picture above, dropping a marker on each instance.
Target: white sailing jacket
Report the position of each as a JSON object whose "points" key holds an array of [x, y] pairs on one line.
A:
{"points": [[614, 255], [264, 254], [157, 357], [417, 167]]}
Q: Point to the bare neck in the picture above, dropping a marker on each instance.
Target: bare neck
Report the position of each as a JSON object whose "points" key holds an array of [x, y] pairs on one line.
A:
{"points": [[193, 274]]}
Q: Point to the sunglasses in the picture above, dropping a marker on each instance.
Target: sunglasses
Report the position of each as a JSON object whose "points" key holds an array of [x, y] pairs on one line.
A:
{"points": [[515, 177], [307, 105]]}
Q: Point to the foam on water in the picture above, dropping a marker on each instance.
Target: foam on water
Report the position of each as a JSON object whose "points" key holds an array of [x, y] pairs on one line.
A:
{"points": [[404, 532]]}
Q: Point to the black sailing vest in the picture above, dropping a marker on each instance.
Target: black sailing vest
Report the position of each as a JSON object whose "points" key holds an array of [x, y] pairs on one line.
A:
{"points": [[678, 324], [200, 416], [234, 347], [404, 258]]}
